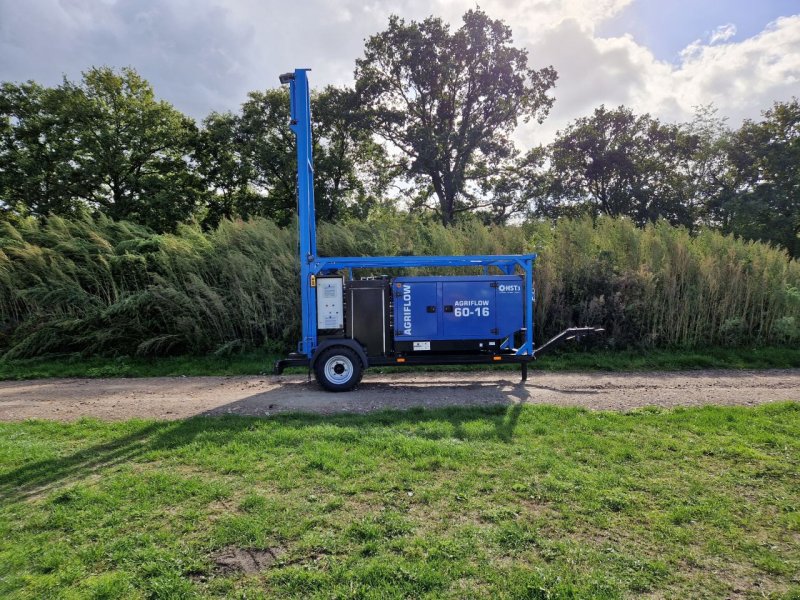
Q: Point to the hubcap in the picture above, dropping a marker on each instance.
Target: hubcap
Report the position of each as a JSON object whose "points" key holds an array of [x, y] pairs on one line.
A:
{"points": [[338, 369]]}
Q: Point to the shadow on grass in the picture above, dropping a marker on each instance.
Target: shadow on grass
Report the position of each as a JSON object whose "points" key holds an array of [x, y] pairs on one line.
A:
{"points": [[39, 478]]}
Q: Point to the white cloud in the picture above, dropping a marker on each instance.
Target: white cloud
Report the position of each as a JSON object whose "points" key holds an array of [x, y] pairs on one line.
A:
{"points": [[743, 78], [740, 78], [531, 19], [722, 33], [206, 55]]}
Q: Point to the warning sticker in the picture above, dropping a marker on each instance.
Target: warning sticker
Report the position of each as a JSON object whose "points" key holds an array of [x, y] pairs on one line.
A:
{"points": [[422, 345]]}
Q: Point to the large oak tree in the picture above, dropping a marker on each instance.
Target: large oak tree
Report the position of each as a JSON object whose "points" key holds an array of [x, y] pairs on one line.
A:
{"points": [[447, 102]]}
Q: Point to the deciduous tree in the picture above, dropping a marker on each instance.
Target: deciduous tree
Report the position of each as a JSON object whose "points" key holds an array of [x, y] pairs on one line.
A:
{"points": [[618, 163], [765, 162], [38, 174], [105, 143], [448, 101], [350, 171]]}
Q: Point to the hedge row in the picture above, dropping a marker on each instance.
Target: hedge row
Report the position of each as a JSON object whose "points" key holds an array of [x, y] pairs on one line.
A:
{"points": [[99, 287]]}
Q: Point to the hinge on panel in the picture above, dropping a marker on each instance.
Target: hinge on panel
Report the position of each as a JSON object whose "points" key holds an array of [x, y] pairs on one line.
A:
{"points": [[495, 331], [493, 284]]}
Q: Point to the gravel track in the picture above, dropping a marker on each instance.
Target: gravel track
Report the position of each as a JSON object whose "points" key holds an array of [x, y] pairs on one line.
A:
{"points": [[181, 397]]}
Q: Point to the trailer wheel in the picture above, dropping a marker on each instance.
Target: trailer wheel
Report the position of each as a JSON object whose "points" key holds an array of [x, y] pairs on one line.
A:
{"points": [[338, 369]]}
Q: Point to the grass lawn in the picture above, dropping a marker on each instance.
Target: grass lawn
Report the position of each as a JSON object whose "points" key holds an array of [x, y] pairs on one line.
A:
{"points": [[505, 502], [261, 363]]}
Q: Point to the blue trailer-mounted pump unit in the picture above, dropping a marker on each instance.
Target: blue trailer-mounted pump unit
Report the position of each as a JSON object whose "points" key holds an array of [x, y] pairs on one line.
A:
{"points": [[351, 323]]}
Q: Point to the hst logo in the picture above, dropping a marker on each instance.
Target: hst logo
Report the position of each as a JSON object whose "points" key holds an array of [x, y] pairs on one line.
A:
{"points": [[509, 288]]}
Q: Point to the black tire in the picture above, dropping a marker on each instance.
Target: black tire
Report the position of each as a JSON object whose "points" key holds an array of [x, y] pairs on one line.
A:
{"points": [[338, 369]]}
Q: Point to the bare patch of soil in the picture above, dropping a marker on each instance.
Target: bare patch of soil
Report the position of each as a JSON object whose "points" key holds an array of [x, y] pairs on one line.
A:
{"points": [[246, 560]]}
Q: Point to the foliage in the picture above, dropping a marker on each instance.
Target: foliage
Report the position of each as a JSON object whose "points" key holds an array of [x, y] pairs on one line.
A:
{"points": [[248, 160], [105, 143], [224, 164], [100, 287], [765, 164], [36, 175], [660, 286], [355, 171], [618, 163], [698, 174], [268, 150], [449, 102], [707, 182], [494, 502]]}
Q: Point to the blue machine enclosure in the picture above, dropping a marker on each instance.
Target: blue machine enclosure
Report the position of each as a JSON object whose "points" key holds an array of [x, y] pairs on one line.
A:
{"points": [[457, 308]]}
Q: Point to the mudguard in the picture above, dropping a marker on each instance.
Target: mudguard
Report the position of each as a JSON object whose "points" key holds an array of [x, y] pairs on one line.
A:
{"points": [[347, 343]]}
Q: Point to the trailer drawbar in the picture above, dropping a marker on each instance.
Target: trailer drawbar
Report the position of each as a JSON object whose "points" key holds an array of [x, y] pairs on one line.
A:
{"points": [[351, 323]]}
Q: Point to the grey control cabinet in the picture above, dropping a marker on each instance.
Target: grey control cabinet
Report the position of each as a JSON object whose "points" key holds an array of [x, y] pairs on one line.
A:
{"points": [[330, 300]]}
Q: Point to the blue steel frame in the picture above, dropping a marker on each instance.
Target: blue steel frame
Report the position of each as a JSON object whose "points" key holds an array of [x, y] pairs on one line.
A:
{"points": [[312, 265]]}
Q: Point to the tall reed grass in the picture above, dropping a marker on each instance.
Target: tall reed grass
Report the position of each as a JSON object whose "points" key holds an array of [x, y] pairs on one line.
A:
{"points": [[99, 287]]}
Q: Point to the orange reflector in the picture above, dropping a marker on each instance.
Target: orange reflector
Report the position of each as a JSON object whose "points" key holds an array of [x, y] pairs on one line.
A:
{"points": [[401, 360], [497, 358]]}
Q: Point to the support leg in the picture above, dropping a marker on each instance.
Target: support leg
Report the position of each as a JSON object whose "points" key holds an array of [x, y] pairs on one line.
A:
{"points": [[524, 370]]}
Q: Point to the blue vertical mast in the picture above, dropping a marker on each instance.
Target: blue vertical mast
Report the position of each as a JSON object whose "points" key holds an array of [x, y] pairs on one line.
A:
{"points": [[307, 227]]}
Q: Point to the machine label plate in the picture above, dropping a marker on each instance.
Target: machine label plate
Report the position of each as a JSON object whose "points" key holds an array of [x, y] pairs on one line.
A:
{"points": [[422, 345]]}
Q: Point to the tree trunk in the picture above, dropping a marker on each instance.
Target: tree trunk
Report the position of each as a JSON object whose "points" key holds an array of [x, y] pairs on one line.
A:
{"points": [[446, 200], [447, 211]]}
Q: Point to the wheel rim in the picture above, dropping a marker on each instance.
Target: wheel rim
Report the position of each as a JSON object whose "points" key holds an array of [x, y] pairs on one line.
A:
{"points": [[338, 369]]}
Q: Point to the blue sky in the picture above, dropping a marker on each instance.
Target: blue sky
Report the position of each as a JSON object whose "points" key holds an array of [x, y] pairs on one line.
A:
{"points": [[663, 57]]}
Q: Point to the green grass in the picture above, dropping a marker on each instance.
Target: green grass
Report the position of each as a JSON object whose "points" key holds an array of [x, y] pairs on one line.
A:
{"points": [[255, 363], [261, 363], [503, 502]]}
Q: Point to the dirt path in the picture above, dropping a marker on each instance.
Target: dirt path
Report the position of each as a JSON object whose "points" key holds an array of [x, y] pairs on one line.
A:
{"points": [[179, 397]]}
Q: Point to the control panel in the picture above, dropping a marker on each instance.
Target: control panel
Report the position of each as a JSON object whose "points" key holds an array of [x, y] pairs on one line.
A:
{"points": [[330, 298]]}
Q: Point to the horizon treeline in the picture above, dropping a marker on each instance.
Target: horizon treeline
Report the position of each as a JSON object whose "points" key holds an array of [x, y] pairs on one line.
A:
{"points": [[426, 129]]}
